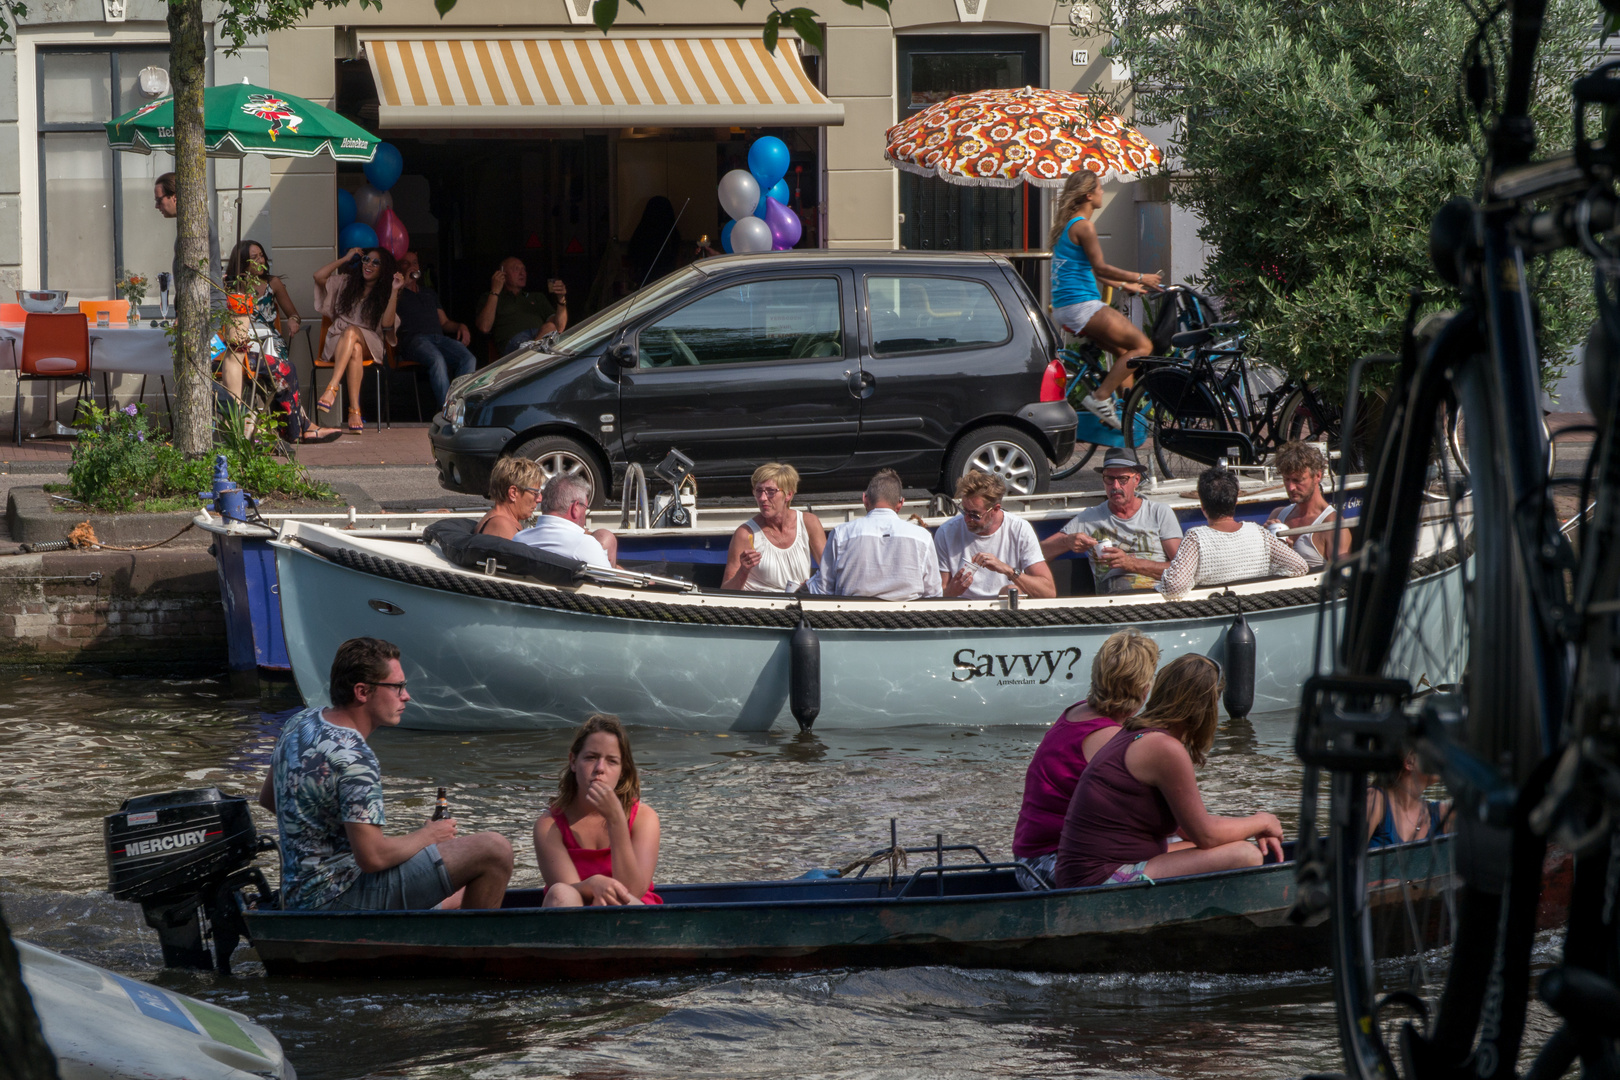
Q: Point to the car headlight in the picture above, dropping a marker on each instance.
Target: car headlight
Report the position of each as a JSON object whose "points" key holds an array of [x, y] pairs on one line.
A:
{"points": [[456, 413]]}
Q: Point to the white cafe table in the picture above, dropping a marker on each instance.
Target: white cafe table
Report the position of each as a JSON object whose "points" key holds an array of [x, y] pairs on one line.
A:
{"points": [[120, 349]]}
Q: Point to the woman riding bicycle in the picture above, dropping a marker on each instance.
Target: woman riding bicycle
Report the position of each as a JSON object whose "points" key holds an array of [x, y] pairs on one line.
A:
{"points": [[1077, 304]]}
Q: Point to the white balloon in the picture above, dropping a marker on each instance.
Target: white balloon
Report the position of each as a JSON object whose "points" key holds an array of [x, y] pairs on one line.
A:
{"points": [[749, 235], [739, 193]]}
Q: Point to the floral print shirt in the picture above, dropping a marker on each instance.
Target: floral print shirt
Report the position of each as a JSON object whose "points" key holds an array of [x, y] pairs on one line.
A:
{"points": [[324, 775]]}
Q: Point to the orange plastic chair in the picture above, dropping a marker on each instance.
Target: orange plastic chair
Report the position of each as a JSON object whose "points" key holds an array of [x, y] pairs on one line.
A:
{"points": [[117, 310], [320, 362], [54, 347], [411, 370], [13, 314]]}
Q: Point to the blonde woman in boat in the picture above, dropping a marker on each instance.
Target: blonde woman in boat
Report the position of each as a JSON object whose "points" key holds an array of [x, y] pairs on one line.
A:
{"points": [[514, 491], [773, 551], [597, 843]]}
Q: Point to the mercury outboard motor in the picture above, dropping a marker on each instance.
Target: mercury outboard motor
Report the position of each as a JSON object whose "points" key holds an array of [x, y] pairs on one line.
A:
{"points": [[181, 855]]}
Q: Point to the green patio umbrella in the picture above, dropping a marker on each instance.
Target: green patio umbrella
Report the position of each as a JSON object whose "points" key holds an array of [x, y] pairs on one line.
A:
{"points": [[241, 119]]}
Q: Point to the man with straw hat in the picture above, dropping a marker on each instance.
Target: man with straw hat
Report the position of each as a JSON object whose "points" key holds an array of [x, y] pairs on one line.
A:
{"points": [[1129, 539]]}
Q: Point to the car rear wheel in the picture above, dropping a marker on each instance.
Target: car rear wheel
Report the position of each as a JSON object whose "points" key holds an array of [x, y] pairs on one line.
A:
{"points": [[559, 454], [1004, 452]]}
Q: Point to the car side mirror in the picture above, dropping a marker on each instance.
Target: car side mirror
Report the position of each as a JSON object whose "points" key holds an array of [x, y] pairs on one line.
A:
{"points": [[623, 354]]}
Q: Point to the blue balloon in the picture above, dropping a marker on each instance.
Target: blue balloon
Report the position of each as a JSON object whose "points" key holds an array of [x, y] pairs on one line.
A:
{"points": [[779, 193], [346, 211], [768, 160], [725, 237], [356, 235], [382, 171]]}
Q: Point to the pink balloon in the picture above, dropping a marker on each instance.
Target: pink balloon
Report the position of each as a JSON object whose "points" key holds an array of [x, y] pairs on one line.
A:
{"points": [[391, 233], [786, 228]]}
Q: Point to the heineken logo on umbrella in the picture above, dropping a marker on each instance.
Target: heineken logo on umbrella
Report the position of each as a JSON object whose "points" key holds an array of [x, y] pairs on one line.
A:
{"points": [[274, 109]]}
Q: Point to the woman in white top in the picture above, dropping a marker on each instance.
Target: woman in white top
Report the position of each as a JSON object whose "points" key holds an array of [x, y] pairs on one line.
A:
{"points": [[1225, 549], [773, 550], [1302, 466]]}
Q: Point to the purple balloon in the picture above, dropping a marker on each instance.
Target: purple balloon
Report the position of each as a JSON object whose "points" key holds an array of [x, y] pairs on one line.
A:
{"points": [[786, 229]]}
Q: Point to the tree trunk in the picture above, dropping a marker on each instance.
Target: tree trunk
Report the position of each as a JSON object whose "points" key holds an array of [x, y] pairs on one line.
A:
{"points": [[25, 1056], [194, 393]]}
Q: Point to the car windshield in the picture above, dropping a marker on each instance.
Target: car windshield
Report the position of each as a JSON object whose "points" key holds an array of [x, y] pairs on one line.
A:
{"points": [[591, 333]]}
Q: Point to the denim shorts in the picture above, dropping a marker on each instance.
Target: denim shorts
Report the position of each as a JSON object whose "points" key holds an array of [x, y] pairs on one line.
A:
{"points": [[418, 883]]}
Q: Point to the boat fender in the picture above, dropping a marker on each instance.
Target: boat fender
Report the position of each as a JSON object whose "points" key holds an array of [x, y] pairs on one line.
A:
{"points": [[1240, 656], [804, 684]]}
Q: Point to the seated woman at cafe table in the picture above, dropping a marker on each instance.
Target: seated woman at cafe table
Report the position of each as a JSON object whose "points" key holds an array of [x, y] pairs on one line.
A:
{"points": [[1225, 550], [261, 297], [597, 844], [514, 488], [358, 293], [773, 551], [1121, 676], [1302, 466], [1140, 790]]}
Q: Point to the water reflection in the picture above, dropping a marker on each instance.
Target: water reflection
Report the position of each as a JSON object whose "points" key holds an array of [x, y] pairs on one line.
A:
{"points": [[734, 806]]}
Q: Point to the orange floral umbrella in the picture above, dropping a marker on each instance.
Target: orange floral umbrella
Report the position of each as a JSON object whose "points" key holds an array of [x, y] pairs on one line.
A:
{"points": [[1003, 138]]}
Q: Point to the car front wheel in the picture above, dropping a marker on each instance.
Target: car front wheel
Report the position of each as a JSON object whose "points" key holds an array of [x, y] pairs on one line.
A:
{"points": [[1004, 452], [559, 454]]}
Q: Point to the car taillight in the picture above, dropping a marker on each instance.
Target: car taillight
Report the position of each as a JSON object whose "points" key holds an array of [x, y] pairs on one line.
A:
{"points": [[1052, 382]]}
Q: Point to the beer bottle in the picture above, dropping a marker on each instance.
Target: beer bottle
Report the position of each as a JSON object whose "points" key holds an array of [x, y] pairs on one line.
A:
{"points": [[442, 810]]}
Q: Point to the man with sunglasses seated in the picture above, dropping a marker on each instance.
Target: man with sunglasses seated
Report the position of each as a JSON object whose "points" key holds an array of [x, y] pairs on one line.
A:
{"points": [[565, 502], [325, 788], [984, 552]]}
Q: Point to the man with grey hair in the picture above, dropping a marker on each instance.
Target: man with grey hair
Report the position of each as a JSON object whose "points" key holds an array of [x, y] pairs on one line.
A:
{"points": [[879, 555], [564, 503]]}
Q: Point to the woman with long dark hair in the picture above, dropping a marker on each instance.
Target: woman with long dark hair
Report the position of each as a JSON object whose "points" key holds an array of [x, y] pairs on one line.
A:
{"points": [[1077, 303], [597, 843], [247, 275], [1140, 790], [358, 293]]}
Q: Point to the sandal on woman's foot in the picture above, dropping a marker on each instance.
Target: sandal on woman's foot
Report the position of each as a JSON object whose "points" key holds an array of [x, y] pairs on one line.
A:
{"points": [[357, 422], [325, 404], [321, 435]]}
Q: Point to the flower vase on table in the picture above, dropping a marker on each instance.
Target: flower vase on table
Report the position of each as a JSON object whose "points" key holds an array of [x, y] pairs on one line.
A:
{"points": [[132, 287]]}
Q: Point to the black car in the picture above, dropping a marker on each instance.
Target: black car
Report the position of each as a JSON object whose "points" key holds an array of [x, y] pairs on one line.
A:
{"points": [[836, 362]]}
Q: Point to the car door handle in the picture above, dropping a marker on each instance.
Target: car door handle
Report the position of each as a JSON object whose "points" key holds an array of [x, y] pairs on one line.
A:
{"points": [[861, 383]]}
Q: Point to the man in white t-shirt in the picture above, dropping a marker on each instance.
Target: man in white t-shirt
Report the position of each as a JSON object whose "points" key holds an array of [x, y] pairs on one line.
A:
{"points": [[560, 529], [983, 552], [1130, 540]]}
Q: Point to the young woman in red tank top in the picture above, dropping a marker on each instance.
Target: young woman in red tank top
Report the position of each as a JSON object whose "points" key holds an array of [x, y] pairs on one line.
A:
{"points": [[597, 843]]}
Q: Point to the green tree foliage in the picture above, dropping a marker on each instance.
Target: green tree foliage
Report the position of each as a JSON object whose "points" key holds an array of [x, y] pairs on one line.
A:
{"points": [[1316, 141]]}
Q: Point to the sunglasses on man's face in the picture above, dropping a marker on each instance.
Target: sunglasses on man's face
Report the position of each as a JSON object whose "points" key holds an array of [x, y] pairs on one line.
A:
{"points": [[980, 515]]}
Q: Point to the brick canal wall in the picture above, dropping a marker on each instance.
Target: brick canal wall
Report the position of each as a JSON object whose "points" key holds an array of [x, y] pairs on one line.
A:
{"points": [[149, 611]]}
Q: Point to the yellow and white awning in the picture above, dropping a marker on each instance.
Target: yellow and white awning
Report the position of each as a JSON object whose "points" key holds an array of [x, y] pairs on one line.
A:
{"points": [[592, 81]]}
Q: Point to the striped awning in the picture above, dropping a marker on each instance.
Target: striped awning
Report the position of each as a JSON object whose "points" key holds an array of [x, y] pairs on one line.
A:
{"points": [[592, 81]]}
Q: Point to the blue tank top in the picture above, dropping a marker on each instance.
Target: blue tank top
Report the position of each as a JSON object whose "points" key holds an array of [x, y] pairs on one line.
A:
{"points": [[1386, 834], [1072, 279]]}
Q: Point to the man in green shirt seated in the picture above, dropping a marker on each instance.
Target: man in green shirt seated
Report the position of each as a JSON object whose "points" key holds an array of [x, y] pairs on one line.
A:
{"points": [[513, 316]]}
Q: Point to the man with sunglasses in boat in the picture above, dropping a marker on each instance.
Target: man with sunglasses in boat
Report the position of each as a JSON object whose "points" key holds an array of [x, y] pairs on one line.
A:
{"points": [[1130, 540], [325, 788], [984, 552]]}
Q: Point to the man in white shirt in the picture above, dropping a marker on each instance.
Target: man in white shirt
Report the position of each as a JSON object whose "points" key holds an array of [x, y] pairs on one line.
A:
{"points": [[983, 552], [879, 555], [564, 503], [1130, 540]]}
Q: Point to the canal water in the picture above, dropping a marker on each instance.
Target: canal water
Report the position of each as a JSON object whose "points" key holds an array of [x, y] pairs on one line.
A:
{"points": [[737, 807]]}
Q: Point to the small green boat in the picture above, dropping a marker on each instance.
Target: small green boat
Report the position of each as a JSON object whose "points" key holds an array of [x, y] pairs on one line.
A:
{"points": [[966, 914]]}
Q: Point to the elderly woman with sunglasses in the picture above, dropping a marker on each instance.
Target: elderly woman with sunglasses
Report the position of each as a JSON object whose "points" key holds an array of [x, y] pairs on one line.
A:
{"points": [[514, 489], [774, 550], [1139, 790], [358, 293]]}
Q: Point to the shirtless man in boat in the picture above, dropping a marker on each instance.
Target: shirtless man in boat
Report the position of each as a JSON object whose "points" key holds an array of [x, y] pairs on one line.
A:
{"points": [[325, 775]]}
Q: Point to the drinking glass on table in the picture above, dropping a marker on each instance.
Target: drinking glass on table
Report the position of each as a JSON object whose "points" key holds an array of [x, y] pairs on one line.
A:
{"points": [[103, 319]]}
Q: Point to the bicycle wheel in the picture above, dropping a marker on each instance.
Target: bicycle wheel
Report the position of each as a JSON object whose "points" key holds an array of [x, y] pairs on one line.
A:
{"points": [[1076, 460], [1180, 417], [1086, 375], [1446, 628]]}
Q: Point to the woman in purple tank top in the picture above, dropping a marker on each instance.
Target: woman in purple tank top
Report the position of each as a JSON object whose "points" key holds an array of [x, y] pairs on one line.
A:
{"points": [[1140, 790], [1121, 675]]}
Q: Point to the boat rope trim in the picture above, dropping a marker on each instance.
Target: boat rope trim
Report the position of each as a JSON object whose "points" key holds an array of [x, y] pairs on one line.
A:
{"points": [[516, 592]]}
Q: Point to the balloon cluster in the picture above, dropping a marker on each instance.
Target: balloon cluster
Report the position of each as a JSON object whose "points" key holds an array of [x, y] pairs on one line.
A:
{"points": [[366, 219], [757, 200]]}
